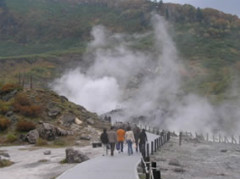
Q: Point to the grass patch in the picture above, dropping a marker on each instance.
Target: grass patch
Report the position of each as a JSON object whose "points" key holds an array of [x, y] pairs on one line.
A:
{"points": [[64, 161], [11, 138], [43, 160], [59, 142], [41, 142], [5, 163]]}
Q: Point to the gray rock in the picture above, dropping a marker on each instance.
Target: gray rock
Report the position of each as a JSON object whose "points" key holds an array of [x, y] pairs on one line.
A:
{"points": [[4, 154], [85, 137], [50, 132], [9, 113], [174, 162], [47, 131], [68, 119], [62, 132], [47, 152], [13, 118], [54, 112], [90, 121], [223, 150], [79, 143], [75, 156], [9, 95], [23, 137], [63, 99], [179, 170], [32, 136]]}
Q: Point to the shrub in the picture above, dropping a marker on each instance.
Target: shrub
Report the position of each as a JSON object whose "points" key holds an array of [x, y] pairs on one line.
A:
{"points": [[41, 142], [22, 100], [25, 126], [9, 87], [24, 106], [11, 137], [4, 123], [29, 111], [3, 108]]}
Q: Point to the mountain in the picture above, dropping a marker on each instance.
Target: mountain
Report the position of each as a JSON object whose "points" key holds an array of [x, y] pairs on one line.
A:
{"points": [[38, 38]]}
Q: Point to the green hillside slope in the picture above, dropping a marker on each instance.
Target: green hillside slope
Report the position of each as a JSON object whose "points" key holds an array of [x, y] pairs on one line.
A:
{"points": [[45, 35]]}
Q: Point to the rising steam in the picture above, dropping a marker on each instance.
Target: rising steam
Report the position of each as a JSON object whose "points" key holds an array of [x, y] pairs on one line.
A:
{"points": [[142, 83]]}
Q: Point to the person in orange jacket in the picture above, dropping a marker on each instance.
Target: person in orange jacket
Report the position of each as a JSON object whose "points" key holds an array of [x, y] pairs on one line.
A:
{"points": [[120, 139]]}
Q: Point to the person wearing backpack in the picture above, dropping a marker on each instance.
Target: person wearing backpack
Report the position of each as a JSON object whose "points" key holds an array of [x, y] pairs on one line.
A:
{"points": [[105, 141]]}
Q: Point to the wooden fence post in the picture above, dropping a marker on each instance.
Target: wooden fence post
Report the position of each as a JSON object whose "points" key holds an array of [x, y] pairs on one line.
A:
{"points": [[180, 138], [147, 150], [155, 146], [151, 147], [31, 86], [19, 79]]}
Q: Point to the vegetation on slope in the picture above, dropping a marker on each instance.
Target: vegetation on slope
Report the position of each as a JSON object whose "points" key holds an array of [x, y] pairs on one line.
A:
{"points": [[22, 109], [46, 34]]}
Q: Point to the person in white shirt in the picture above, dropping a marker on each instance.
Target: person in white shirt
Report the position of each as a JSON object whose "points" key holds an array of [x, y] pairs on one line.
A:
{"points": [[129, 137]]}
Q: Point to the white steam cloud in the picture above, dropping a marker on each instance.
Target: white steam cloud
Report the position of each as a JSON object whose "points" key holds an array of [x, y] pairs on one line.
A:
{"points": [[142, 83]]}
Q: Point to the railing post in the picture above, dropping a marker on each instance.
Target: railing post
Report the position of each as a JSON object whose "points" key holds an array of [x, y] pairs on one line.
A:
{"points": [[151, 147], [180, 138], [147, 150], [155, 146], [168, 136], [148, 167]]}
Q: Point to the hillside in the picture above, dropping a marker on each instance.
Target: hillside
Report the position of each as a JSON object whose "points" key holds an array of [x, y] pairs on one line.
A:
{"points": [[24, 110], [47, 35]]}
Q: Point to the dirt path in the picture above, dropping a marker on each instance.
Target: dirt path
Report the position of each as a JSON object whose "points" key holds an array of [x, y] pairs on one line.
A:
{"points": [[119, 166]]}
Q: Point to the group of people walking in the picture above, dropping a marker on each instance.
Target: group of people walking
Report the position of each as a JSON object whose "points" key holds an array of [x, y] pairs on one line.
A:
{"points": [[115, 138]]}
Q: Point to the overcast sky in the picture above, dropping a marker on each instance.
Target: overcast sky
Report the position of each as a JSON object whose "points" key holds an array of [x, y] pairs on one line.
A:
{"points": [[227, 6]]}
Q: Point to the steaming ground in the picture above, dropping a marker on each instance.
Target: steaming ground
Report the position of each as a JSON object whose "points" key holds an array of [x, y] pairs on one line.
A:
{"points": [[197, 160], [143, 83]]}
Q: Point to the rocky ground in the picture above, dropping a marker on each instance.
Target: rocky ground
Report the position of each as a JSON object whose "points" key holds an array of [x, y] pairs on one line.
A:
{"points": [[196, 159], [31, 163]]}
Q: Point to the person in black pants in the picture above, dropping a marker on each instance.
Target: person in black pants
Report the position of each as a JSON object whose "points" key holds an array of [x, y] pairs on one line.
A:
{"points": [[142, 142], [104, 140]]}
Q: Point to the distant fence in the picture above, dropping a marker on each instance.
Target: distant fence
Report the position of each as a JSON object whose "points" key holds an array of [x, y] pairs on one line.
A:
{"points": [[217, 138], [26, 81]]}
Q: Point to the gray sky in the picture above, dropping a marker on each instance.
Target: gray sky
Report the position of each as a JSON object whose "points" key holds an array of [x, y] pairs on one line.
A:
{"points": [[227, 6]]}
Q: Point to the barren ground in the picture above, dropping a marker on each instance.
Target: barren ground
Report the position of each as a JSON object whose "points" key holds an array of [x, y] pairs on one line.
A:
{"points": [[198, 160], [31, 163]]}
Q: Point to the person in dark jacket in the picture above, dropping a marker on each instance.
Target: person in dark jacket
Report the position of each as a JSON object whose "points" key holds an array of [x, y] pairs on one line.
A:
{"points": [[105, 141], [142, 142], [136, 132], [112, 138]]}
